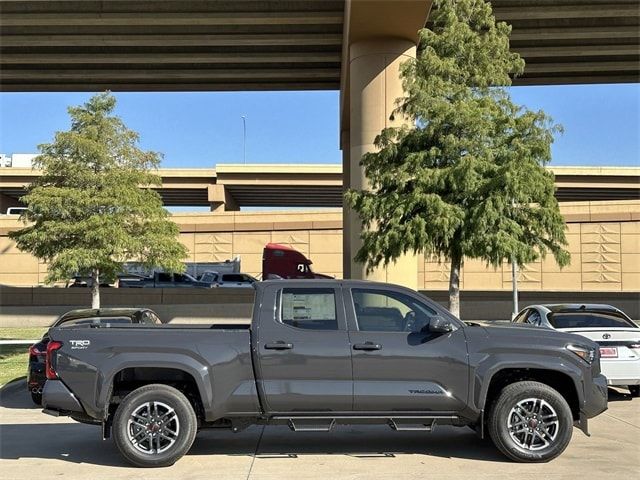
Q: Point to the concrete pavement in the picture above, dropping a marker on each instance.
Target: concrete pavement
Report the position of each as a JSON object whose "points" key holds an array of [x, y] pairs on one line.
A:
{"points": [[32, 443]]}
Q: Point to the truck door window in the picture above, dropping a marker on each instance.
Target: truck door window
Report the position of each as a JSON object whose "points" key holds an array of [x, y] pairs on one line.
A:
{"points": [[382, 311], [309, 308]]}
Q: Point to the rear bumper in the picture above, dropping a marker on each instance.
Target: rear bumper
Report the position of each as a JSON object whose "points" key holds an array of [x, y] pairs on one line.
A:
{"points": [[56, 396], [621, 372], [623, 381]]}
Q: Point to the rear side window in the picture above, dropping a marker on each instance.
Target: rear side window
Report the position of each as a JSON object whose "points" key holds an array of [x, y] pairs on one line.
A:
{"points": [[309, 308], [585, 319]]}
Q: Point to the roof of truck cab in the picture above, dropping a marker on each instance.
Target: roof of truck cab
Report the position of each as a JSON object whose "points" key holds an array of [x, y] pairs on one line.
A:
{"points": [[327, 282]]}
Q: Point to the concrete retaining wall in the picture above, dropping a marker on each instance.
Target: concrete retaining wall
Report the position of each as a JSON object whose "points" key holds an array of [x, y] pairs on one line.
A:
{"points": [[39, 306], [492, 305]]}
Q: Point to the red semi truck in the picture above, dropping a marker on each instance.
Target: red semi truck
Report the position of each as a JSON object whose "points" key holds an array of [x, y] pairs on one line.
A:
{"points": [[281, 261]]}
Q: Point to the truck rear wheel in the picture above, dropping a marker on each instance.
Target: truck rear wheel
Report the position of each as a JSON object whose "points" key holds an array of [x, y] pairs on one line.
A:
{"points": [[530, 422], [154, 426]]}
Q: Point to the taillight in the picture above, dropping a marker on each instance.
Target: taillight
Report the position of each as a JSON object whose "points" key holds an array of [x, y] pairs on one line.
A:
{"points": [[51, 349], [33, 350]]}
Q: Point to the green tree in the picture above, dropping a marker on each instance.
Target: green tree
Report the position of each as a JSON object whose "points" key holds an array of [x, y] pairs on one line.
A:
{"points": [[93, 208], [468, 178]]}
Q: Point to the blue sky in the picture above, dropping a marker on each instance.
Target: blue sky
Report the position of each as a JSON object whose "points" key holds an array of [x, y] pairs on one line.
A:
{"points": [[602, 124]]}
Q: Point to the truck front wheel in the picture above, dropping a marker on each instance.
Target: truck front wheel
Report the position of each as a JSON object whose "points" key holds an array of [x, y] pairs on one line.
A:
{"points": [[154, 426], [530, 422]]}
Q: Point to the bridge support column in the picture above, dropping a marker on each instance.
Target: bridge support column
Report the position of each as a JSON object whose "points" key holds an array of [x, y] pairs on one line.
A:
{"points": [[374, 85], [346, 214], [220, 199]]}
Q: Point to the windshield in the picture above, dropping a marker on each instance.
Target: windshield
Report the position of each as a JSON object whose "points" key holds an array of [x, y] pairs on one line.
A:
{"points": [[586, 319]]}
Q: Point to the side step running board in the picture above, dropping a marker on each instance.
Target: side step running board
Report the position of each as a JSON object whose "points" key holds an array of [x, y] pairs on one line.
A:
{"points": [[309, 427], [416, 425], [319, 423]]}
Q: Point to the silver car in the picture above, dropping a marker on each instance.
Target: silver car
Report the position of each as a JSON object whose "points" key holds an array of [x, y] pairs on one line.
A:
{"points": [[617, 335], [229, 280]]}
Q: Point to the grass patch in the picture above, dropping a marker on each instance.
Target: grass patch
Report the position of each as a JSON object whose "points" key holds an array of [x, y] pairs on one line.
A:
{"points": [[13, 362], [32, 333], [14, 358]]}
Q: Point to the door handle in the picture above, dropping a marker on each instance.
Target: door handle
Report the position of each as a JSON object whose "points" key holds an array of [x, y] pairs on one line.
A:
{"points": [[367, 346], [280, 345]]}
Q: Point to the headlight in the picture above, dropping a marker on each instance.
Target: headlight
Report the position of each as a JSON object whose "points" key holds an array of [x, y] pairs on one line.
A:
{"points": [[585, 353]]}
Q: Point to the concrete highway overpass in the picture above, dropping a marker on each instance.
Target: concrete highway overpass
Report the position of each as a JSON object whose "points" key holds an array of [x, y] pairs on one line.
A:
{"points": [[162, 45], [356, 46], [230, 187]]}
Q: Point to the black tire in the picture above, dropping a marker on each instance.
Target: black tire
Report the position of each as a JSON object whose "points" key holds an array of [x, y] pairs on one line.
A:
{"points": [[500, 414], [184, 422], [36, 398], [634, 390]]}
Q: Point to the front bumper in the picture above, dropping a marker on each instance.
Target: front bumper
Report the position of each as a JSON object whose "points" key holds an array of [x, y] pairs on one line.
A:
{"points": [[58, 398]]}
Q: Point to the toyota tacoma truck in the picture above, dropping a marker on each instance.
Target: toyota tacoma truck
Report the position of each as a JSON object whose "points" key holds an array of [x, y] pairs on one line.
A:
{"points": [[320, 353]]}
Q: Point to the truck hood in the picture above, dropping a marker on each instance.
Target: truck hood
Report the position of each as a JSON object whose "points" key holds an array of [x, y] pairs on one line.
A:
{"points": [[529, 335]]}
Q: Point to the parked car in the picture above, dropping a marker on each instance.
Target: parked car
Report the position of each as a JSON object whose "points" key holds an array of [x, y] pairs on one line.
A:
{"points": [[16, 210], [320, 353], [616, 334], [80, 281], [230, 280], [159, 280], [104, 316]]}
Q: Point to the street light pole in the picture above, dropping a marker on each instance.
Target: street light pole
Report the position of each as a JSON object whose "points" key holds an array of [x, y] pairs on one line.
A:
{"points": [[514, 276], [514, 281], [244, 139]]}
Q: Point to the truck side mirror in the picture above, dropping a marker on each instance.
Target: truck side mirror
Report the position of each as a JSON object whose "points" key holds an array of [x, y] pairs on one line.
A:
{"points": [[440, 325]]}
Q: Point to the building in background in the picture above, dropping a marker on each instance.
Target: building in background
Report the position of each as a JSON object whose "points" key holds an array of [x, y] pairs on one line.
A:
{"points": [[601, 206], [356, 47]]}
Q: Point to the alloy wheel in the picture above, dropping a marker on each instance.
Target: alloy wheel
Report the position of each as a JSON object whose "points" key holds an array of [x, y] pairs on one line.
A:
{"points": [[533, 424], [153, 427]]}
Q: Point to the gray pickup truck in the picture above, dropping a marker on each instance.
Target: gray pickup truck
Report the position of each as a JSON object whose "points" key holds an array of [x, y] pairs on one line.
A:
{"points": [[319, 353]]}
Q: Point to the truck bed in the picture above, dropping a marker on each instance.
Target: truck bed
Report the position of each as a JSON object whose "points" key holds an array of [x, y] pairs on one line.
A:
{"points": [[214, 357]]}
